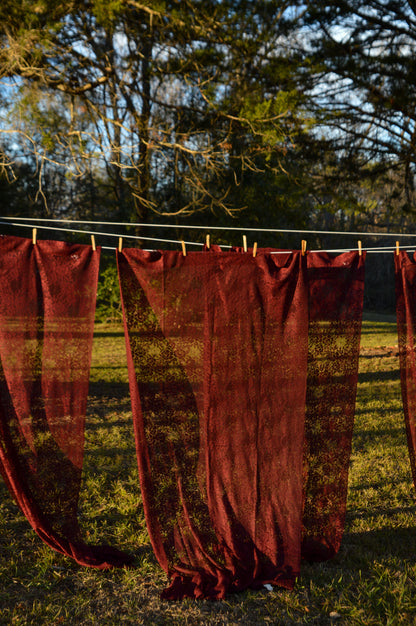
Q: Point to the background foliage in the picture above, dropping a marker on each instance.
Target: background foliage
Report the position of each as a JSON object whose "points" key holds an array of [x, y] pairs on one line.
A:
{"points": [[292, 114]]}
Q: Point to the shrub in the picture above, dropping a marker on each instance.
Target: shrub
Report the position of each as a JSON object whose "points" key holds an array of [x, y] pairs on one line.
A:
{"points": [[108, 308]]}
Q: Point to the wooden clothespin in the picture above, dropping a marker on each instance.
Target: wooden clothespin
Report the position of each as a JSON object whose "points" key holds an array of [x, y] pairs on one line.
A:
{"points": [[207, 242], [244, 243], [34, 231], [120, 244], [93, 242], [359, 248], [254, 249], [303, 247], [397, 248], [183, 248]]}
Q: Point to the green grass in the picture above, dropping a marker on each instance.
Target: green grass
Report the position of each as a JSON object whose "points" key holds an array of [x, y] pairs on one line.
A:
{"points": [[371, 581]]}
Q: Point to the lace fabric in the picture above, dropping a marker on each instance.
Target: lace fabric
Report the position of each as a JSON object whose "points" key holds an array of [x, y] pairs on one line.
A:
{"points": [[405, 277], [217, 355], [336, 291], [225, 351], [47, 306]]}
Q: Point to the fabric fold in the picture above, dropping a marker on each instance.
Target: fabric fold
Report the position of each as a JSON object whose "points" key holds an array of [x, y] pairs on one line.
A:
{"points": [[336, 291], [405, 278], [217, 357]]}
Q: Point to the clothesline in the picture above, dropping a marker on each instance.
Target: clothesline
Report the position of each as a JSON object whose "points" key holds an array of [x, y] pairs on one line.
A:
{"points": [[381, 250], [223, 228], [23, 222], [94, 232]]}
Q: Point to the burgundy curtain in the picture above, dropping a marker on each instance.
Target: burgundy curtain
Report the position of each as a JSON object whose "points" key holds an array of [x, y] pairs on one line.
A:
{"points": [[336, 289], [405, 272], [47, 305], [217, 357]]}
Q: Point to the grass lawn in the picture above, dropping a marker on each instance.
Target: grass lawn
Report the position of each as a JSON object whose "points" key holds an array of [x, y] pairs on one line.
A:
{"points": [[371, 581]]}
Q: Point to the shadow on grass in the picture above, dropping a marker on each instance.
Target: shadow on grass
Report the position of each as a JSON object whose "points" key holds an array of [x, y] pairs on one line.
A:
{"points": [[379, 376], [362, 435], [362, 409], [378, 511], [111, 333], [390, 353], [100, 390], [387, 543]]}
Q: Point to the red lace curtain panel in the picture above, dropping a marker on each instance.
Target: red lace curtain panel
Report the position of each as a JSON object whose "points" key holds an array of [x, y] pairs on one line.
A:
{"points": [[219, 365], [336, 293], [405, 272], [47, 306]]}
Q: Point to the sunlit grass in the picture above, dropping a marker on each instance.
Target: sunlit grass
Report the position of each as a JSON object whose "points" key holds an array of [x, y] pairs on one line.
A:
{"points": [[371, 581]]}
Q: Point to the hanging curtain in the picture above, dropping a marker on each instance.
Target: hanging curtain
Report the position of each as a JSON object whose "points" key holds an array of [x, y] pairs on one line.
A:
{"points": [[405, 273], [47, 306], [217, 358], [336, 289]]}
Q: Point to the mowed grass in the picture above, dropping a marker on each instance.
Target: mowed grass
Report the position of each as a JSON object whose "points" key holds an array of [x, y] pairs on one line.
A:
{"points": [[371, 581]]}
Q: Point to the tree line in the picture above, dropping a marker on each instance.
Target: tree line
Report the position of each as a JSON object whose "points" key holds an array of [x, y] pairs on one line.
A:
{"points": [[285, 114]]}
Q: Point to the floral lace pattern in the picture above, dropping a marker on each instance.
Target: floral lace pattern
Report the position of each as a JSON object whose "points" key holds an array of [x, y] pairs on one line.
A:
{"points": [[405, 274], [336, 292], [46, 328], [217, 356]]}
